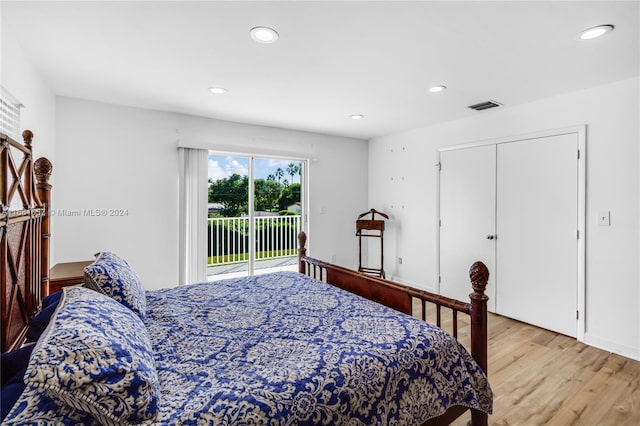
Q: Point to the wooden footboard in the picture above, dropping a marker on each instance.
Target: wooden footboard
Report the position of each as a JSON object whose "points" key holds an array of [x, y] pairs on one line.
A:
{"points": [[402, 297]]}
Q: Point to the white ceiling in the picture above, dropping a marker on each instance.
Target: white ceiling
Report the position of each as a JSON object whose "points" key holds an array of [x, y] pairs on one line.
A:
{"points": [[333, 59]]}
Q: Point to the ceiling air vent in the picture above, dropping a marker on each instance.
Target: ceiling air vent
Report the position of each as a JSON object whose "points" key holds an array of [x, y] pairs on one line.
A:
{"points": [[485, 105]]}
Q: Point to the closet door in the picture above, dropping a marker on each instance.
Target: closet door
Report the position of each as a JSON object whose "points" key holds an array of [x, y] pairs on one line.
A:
{"points": [[467, 218], [537, 223]]}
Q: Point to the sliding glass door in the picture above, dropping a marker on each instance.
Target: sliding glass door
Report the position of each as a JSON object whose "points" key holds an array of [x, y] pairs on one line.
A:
{"points": [[256, 209]]}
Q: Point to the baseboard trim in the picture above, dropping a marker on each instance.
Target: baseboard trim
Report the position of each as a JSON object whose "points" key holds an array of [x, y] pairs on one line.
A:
{"points": [[609, 346]]}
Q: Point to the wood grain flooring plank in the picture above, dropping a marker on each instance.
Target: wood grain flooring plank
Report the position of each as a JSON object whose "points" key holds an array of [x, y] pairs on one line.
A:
{"points": [[540, 377], [615, 388]]}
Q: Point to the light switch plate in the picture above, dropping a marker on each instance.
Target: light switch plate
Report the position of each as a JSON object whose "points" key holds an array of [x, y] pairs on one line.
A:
{"points": [[604, 218]]}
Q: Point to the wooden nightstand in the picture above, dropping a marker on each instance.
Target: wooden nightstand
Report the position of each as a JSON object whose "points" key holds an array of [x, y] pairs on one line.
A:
{"points": [[66, 274]]}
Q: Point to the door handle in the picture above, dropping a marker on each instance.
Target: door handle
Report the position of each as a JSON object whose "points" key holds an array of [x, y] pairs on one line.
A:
{"points": [[492, 237]]}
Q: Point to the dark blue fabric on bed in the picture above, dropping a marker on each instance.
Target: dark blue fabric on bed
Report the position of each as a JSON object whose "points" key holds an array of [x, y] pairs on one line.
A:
{"points": [[14, 365], [39, 323], [14, 362], [51, 299], [11, 391]]}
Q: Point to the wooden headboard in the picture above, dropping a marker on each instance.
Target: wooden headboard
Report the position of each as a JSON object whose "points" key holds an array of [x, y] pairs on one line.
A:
{"points": [[24, 236]]}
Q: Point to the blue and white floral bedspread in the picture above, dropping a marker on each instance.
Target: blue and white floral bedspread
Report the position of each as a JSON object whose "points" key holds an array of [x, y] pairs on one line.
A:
{"points": [[284, 349], [277, 349]]}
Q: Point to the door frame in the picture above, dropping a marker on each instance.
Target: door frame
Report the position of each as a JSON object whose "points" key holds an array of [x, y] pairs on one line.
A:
{"points": [[580, 131]]}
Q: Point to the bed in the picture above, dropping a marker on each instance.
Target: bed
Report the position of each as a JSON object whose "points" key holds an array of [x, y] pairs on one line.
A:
{"points": [[324, 345]]}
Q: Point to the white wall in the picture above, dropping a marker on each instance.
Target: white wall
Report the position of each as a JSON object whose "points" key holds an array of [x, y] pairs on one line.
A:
{"points": [[114, 157], [20, 78], [402, 181]]}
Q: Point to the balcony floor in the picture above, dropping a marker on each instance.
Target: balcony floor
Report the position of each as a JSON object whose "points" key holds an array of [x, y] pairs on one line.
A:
{"points": [[215, 273]]}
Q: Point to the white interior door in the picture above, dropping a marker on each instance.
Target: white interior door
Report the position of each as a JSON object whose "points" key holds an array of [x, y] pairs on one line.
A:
{"points": [[537, 223], [467, 218]]}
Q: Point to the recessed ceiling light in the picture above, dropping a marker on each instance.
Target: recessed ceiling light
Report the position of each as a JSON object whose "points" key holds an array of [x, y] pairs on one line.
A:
{"points": [[217, 90], [595, 32], [264, 34], [356, 116], [436, 89]]}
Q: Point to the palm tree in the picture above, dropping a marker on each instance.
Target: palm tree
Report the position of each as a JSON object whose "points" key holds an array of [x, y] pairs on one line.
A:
{"points": [[279, 173], [299, 172], [295, 169], [291, 170]]}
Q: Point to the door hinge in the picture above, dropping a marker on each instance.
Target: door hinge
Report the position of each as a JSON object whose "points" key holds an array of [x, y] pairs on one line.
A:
{"points": [[439, 166], [578, 234], [578, 154], [577, 314], [439, 279], [440, 223]]}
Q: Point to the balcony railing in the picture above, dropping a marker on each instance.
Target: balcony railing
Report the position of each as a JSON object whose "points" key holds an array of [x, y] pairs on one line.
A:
{"points": [[228, 238]]}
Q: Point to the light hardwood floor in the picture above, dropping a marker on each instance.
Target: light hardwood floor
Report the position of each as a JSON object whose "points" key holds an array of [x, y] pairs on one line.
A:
{"points": [[539, 377]]}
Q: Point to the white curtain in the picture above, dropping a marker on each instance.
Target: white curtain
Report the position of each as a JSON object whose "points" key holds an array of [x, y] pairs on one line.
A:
{"points": [[193, 215]]}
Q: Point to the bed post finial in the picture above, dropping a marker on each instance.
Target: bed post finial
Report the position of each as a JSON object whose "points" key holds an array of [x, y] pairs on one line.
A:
{"points": [[302, 251], [42, 168], [27, 137], [479, 275]]}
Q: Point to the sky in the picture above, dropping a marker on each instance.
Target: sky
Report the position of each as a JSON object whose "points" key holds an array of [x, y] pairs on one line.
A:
{"points": [[221, 166]]}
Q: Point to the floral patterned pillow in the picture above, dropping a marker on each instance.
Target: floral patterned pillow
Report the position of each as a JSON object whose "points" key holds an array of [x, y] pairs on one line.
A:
{"points": [[96, 357], [111, 275]]}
